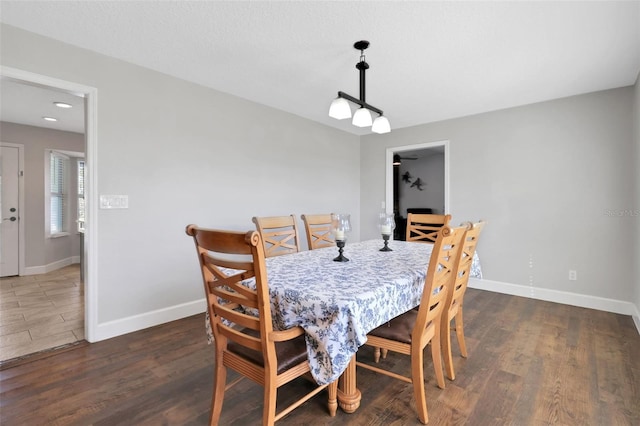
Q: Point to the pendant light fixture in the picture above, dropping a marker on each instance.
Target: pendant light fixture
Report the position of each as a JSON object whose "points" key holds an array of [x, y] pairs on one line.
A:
{"points": [[340, 108]]}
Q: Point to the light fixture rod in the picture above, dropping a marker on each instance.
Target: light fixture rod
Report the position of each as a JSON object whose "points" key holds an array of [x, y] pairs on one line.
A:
{"points": [[362, 67], [359, 102]]}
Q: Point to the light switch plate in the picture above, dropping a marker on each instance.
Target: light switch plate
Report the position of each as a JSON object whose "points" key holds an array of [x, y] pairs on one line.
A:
{"points": [[114, 201]]}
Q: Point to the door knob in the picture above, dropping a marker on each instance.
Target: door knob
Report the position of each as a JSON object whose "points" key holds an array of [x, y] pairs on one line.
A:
{"points": [[12, 218]]}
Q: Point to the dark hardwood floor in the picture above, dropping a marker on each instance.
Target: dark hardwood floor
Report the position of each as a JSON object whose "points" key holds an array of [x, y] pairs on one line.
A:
{"points": [[530, 363]]}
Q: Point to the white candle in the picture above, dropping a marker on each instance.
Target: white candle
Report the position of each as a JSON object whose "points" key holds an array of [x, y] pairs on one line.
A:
{"points": [[385, 229], [339, 234]]}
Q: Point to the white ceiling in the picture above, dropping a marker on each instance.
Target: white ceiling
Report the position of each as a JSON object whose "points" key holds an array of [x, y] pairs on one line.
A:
{"points": [[23, 104], [429, 61]]}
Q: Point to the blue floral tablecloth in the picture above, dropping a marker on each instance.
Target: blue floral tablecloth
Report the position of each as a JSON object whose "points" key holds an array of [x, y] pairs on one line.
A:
{"points": [[338, 303]]}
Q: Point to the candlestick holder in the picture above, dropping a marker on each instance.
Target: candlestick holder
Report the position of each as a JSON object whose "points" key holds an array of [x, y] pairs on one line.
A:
{"points": [[385, 237], [386, 225], [340, 227], [340, 258]]}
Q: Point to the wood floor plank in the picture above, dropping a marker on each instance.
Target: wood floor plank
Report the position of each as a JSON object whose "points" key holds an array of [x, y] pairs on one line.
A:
{"points": [[73, 313], [29, 290], [43, 330], [20, 326], [33, 308], [51, 311], [68, 301], [9, 304], [19, 338], [8, 318], [65, 282], [13, 351]]}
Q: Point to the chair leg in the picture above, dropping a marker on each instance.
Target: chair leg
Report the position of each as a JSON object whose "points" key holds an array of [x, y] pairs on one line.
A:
{"points": [[269, 409], [460, 333], [436, 355], [445, 339], [333, 398], [377, 352], [417, 378], [219, 380]]}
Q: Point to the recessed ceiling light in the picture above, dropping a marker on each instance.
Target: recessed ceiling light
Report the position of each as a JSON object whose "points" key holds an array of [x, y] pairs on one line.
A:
{"points": [[62, 105], [50, 118]]}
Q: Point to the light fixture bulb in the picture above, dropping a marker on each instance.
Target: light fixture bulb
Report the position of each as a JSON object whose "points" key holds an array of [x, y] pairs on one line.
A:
{"points": [[340, 109], [62, 105], [50, 119], [381, 125], [362, 117]]}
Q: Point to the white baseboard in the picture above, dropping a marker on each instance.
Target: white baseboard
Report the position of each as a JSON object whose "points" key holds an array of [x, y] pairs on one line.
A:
{"points": [[122, 326], [564, 297], [37, 270], [636, 319]]}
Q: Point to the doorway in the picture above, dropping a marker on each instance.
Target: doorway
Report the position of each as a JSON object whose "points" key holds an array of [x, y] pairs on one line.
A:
{"points": [[89, 247], [415, 188]]}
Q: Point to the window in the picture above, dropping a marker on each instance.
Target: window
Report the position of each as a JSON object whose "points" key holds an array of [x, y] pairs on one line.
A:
{"points": [[80, 195], [64, 192], [58, 195]]}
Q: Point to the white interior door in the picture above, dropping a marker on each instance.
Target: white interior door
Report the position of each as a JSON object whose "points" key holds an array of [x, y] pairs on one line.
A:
{"points": [[9, 199]]}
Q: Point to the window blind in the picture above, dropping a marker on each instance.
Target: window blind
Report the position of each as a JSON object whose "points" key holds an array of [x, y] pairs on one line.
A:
{"points": [[59, 165], [81, 206]]}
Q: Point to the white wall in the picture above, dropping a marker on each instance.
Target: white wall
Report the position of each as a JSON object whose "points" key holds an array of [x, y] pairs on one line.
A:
{"points": [[42, 253], [430, 170], [550, 178], [186, 154]]}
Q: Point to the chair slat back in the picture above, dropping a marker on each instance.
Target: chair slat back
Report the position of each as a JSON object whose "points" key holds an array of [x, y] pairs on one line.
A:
{"points": [[464, 265], [279, 234], [425, 227], [318, 230], [440, 276], [234, 276], [235, 279]]}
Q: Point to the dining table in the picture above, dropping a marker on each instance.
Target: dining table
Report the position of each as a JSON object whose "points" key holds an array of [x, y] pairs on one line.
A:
{"points": [[338, 303]]}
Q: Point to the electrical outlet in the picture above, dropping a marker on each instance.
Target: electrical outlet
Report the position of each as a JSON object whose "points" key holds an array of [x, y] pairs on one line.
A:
{"points": [[573, 275]]}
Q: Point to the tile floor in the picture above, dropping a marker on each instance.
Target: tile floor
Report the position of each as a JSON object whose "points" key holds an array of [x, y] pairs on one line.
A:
{"points": [[39, 312]]}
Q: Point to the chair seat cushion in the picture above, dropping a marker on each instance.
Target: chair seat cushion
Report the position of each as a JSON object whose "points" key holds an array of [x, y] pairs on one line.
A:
{"points": [[289, 353], [399, 328]]}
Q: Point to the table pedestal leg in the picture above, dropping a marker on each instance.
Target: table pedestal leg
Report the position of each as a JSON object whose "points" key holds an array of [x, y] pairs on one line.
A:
{"points": [[348, 394]]}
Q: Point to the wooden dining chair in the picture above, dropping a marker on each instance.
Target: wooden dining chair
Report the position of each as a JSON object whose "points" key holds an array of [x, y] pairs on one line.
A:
{"points": [[279, 234], [410, 332], [234, 275], [318, 230], [455, 298], [425, 227]]}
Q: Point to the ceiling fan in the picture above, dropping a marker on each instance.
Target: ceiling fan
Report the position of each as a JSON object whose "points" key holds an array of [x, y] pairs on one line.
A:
{"points": [[397, 160]]}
